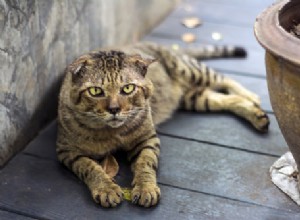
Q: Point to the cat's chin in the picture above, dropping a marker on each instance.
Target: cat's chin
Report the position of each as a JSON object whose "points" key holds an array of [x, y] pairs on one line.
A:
{"points": [[115, 123]]}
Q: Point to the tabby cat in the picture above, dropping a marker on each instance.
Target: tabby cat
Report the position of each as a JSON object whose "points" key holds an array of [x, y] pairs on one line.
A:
{"points": [[112, 99]]}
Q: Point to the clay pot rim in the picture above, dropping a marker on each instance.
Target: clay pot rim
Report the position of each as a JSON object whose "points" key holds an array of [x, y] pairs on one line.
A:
{"points": [[269, 32]]}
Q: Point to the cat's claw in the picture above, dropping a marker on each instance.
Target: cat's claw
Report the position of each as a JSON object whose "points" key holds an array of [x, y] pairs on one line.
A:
{"points": [[146, 195], [135, 199], [109, 196]]}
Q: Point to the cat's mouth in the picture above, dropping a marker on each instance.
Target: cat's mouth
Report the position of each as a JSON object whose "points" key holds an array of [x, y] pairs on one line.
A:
{"points": [[115, 122]]}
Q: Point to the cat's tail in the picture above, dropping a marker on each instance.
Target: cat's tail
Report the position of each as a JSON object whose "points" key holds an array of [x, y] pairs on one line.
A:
{"points": [[197, 52], [214, 51]]}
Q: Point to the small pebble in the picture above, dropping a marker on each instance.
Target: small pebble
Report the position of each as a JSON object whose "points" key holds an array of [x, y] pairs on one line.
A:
{"points": [[216, 36]]}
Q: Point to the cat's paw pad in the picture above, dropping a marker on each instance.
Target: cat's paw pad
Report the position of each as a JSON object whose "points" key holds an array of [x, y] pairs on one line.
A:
{"points": [[261, 120], [109, 196], [146, 194]]}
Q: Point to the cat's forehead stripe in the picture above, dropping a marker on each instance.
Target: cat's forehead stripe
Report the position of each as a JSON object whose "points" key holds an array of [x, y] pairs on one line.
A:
{"points": [[109, 60]]}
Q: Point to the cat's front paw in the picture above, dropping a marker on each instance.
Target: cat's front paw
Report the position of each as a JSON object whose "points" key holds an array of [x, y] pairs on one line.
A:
{"points": [[109, 196], [145, 194]]}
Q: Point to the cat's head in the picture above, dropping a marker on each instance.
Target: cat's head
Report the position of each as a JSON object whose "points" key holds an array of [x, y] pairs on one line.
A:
{"points": [[110, 87]]}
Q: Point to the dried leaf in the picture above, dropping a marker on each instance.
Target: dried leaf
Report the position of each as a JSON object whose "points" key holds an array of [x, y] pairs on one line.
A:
{"points": [[110, 166], [127, 194], [188, 37], [191, 22]]}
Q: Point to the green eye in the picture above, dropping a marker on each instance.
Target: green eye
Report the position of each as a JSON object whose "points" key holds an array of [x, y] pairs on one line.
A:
{"points": [[128, 89], [95, 91]]}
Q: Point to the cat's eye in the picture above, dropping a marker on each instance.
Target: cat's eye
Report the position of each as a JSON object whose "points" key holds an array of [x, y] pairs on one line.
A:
{"points": [[95, 91], [127, 89]]}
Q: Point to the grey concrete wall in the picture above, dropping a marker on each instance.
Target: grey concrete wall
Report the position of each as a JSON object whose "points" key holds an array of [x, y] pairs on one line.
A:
{"points": [[38, 38]]}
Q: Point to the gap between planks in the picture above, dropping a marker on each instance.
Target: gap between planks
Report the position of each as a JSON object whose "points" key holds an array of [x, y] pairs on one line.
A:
{"points": [[217, 144], [25, 215]]}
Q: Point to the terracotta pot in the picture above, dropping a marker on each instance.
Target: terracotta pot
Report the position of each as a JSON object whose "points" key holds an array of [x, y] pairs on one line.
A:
{"points": [[272, 29]]}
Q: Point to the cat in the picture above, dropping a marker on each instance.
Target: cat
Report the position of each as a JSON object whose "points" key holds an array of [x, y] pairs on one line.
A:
{"points": [[112, 99]]}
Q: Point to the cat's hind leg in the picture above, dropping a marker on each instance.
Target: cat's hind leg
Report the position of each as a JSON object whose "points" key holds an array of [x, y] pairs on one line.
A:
{"points": [[205, 100], [217, 81], [203, 76], [233, 87]]}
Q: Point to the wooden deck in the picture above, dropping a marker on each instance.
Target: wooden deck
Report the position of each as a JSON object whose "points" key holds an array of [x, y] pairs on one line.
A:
{"points": [[212, 166]]}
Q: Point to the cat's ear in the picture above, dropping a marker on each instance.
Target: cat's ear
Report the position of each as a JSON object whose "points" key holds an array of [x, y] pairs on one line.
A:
{"points": [[141, 63], [77, 67]]}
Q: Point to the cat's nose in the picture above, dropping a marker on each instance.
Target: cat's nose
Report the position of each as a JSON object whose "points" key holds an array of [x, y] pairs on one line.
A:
{"points": [[114, 110]]}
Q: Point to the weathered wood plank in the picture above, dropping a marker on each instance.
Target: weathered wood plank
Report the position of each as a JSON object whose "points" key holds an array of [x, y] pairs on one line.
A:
{"points": [[218, 11], [247, 4], [5, 215], [45, 144], [171, 30], [252, 65], [234, 35], [44, 188], [226, 129], [219, 171]]}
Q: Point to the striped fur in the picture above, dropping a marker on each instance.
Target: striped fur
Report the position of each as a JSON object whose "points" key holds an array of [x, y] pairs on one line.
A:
{"points": [[91, 126]]}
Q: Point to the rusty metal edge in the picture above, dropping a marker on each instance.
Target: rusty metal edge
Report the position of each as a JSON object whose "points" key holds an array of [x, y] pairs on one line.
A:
{"points": [[273, 37]]}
